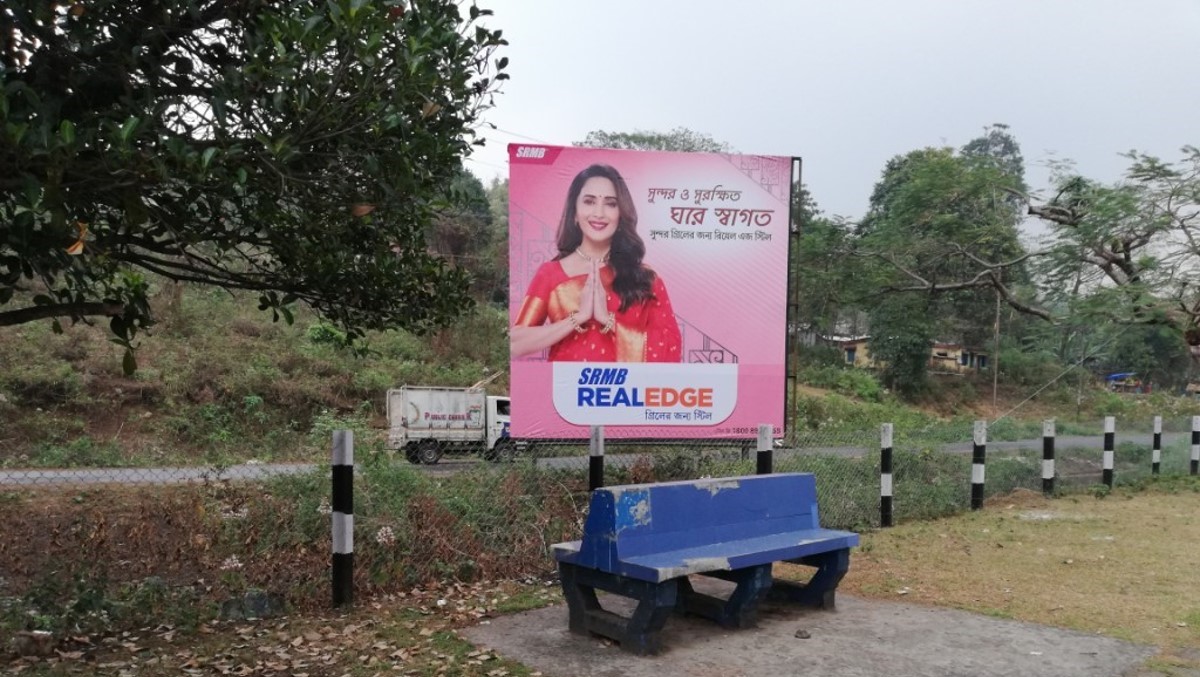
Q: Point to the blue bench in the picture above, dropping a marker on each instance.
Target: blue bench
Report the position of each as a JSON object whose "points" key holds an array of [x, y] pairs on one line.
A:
{"points": [[642, 541]]}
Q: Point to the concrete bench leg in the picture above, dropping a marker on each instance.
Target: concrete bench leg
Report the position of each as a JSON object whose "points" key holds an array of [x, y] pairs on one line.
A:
{"points": [[640, 633], [741, 609], [821, 588]]}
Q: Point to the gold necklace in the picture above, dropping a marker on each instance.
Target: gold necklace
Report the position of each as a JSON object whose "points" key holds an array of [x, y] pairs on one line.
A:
{"points": [[585, 257]]}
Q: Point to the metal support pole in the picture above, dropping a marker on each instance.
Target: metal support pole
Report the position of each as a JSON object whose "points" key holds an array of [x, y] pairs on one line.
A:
{"points": [[978, 457], [342, 504], [1156, 450], [766, 453], [885, 475], [1195, 445], [1048, 457], [596, 459], [1110, 435]]}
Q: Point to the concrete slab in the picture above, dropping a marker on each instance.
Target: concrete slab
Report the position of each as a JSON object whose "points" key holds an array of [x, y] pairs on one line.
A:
{"points": [[862, 638]]}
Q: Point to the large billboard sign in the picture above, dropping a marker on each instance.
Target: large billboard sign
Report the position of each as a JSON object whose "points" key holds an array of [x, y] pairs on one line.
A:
{"points": [[648, 292]]}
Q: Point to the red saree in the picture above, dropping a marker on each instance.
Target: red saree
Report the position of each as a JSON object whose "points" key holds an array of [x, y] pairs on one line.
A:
{"points": [[646, 332]]}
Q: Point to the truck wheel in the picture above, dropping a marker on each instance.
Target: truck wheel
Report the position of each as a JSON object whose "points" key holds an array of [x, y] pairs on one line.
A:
{"points": [[504, 452], [410, 452], [429, 452]]}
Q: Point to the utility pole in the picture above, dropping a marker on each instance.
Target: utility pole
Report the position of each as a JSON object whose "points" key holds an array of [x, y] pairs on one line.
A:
{"points": [[996, 357]]}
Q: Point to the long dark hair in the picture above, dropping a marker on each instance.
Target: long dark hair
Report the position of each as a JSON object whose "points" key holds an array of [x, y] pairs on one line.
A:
{"points": [[631, 280]]}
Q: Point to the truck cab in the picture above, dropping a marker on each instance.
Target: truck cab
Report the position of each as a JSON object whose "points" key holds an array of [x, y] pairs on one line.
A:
{"points": [[499, 417]]}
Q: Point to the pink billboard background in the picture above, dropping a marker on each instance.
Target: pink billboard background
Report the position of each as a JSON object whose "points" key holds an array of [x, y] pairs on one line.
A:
{"points": [[728, 289]]}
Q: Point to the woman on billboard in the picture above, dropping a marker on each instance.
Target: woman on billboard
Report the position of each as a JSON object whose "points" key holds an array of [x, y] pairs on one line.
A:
{"points": [[595, 301]]}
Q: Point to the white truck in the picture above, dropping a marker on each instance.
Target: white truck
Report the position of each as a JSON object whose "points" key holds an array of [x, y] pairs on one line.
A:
{"points": [[427, 422]]}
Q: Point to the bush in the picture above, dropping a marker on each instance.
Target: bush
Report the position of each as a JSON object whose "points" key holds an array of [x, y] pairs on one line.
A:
{"points": [[1025, 368], [845, 380]]}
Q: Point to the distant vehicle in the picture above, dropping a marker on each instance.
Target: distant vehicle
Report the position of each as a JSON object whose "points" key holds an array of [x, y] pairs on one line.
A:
{"points": [[428, 421], [1126, 382]]}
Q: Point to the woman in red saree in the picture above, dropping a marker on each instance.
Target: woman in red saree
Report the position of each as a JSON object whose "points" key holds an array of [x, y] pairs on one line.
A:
{"points": [[596, 301]]}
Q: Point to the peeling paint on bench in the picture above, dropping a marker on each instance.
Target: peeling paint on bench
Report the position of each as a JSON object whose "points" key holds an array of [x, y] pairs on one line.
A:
{"points": [[714, 487], [633, 509], [643, 541]]}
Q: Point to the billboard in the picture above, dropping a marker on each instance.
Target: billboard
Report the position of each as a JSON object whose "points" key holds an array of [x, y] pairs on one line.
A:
{"points": [[648, 292]]}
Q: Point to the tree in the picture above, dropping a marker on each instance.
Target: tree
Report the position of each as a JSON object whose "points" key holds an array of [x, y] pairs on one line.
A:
{"points": [[942, 227], [1134, 246], [497, 252], [903, 329], [292, 149], [678, 139], [823, 269]]}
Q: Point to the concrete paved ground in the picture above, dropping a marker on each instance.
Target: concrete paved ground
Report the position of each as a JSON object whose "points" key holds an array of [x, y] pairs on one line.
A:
{"points": [[861, 638]]}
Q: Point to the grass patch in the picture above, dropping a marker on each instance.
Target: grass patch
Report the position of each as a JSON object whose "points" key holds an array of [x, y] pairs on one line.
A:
{"points": [[1077, 562]]}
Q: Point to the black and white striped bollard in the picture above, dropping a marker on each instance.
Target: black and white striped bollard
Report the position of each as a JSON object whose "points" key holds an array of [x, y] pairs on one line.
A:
{"points": [[1110, 436], [343, 517], [1156, 448], [596, 459], [1048, 457], [978, 457], [885, 475], [1195, 445], [766, 456]]}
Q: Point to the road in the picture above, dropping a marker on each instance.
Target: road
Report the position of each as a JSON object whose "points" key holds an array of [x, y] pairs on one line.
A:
{"points": [[71, 477]]}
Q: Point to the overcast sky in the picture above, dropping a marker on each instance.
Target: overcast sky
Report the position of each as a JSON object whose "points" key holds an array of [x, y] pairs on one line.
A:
{"points": [[848, 85]]}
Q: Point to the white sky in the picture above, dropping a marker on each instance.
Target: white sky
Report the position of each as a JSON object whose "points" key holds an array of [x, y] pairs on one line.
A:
{"points": [[848, 85]]}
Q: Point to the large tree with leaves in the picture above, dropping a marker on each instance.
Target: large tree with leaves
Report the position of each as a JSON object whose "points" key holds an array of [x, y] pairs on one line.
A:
{"points": [[942, 226], [296, 149], [1132, 248]]}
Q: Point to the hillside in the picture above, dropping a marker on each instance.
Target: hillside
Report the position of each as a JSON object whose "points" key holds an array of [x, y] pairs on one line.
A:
{"points": [[219, 382]]}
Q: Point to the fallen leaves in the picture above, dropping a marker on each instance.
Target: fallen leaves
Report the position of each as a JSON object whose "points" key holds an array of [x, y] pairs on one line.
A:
{"points": [[407, 633]]}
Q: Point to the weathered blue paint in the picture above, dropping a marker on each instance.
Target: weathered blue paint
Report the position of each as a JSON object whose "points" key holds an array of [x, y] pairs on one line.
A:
{"points": [[642, 541], [661, 531], [633, 509]]}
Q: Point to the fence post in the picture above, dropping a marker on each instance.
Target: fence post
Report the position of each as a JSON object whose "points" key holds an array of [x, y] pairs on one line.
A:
{"points": [[1156, 449], [885, 475], [1048, 457], [977, 464], [1195, 445], [342, 504], [766, 453], [596, 459], [1110, 436]]}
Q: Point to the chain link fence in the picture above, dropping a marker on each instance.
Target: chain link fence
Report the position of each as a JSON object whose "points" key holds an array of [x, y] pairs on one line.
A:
{"points": [[211, 534]]}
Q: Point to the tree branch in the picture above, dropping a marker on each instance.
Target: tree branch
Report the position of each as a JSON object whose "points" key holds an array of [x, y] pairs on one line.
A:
{"points": [[23, 315]]}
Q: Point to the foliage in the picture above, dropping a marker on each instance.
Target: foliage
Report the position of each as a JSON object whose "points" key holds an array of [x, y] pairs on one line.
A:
{"points": [[825, 272], [1155, 353], [220, 383], [902, 332], [678, 139], [295, 150], [1133, 245], [1027, 365], [847, 381], [941, 241]]}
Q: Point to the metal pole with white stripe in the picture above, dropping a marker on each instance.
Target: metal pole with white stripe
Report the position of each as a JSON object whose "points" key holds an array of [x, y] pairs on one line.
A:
{"points": [[1110, 436], [885, 475], [1156, 450], [766, 456], [977, 464], [1048, 457], [596, 459], [1195, 445], [343, 517]]}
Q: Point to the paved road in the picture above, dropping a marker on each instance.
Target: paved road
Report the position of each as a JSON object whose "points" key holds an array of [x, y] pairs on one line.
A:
{"points": [[453, 464]]}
